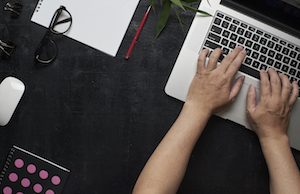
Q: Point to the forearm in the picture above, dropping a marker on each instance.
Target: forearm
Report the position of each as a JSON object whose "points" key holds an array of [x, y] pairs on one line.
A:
{"points": [[165, 169], [283, 171]]}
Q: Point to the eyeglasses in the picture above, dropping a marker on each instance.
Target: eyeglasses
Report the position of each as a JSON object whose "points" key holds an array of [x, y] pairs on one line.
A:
{"points": [[47, 50], [14, 8], [7, 47]]}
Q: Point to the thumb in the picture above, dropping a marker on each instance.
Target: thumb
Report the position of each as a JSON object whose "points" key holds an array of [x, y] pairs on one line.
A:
{"points": [[251, 99]]}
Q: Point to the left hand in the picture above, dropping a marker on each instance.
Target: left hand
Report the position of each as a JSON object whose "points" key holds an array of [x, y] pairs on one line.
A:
{"points": [[212, 86]]}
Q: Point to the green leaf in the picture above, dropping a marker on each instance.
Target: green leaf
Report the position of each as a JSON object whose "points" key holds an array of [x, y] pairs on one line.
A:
{"points": [[195, 9], [163, 18], [178, 3], [179, 20]]}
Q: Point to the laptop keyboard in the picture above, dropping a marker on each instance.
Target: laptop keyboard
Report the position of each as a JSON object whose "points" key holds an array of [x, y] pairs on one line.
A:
{"points": [[264, 50]]}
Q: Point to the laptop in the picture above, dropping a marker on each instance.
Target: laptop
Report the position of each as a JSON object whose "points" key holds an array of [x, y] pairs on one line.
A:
{"points": [[270, 32]]}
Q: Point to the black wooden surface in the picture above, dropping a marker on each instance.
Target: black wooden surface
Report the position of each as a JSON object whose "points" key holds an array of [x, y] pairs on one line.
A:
{"points": [[102, 117]]}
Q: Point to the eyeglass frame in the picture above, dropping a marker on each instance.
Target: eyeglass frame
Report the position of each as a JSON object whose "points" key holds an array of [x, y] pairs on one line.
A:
{"points": [[51, 31]]}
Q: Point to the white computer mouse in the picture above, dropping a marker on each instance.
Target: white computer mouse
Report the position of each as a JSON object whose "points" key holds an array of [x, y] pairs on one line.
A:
{"points": [[11, 91]]}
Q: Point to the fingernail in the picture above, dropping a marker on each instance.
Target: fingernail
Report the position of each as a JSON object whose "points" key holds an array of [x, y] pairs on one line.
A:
{"points": [[240, 47], [244, 51]]}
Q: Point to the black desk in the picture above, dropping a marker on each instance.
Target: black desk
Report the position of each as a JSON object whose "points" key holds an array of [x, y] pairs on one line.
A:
{"points": [[102, 117]]}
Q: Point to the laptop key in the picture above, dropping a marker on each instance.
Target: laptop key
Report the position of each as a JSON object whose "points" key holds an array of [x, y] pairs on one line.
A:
{"points": [[263, 67], [285, 51], [255, 64], [292, 71], [216, 29], [263, 41], [278, 56], [293, 54], [232, 45], [248, 61], [220, 15], [250, 71], [254, 55], [282, 42], [225, 51], [214, 37], [270, 44], [232, 27], [255, 37], [225, 24], [256, 47], [228, 18], [233, 37], [290, 46], [240, 31], [225, 33], [293, 63], [224, 42], [236, 22], [275, 39], [271, 53], [285, 68], [263, 50], [248, 51], [248, 43], [244, 25], [241, 40], [297, 49], [259, 32], [298, 75], [251, 29], [267, 35], [217, 21], [270, 62], [286, 60], [211, 45], [298, 58], [278, 47], [277, 65], [262, 58], [248, 34]]}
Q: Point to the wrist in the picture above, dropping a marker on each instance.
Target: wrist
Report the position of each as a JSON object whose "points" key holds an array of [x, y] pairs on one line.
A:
{"points": [[195, 114], [197, 109], [272, 141]]}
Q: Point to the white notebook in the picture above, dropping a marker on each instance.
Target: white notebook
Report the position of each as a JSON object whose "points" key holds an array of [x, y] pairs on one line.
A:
{"points": [[100, 24]]}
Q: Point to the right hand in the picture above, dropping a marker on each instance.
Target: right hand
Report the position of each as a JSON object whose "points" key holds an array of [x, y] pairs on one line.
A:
{"points": [[270, 116]]}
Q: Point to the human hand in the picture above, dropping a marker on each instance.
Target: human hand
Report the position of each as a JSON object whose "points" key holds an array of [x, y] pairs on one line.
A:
{"points": [[270, 116], [212, 86]]}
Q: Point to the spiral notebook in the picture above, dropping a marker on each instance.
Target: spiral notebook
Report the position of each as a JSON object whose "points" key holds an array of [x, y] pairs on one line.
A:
{"points": [[100, 24], [25, 172]]}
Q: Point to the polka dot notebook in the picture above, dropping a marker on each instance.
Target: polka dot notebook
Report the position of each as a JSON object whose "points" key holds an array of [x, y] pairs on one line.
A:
{"points": [[27, 173]]}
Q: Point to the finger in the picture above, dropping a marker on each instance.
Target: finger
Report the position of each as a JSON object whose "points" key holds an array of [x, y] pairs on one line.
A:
{"points": [[236, 87], [202, 60], [265, 88], [286, 87], [294, 94], [236, 64], [251, 99], [213, 59], [275, 82], [229, 58]]}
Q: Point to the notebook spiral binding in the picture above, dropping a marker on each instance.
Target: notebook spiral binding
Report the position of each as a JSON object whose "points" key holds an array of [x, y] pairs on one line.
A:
{"points": [[7, 163], [38, 6]]}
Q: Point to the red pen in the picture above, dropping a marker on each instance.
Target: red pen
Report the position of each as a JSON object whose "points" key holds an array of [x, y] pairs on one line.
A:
{"points": [[138, 32]]}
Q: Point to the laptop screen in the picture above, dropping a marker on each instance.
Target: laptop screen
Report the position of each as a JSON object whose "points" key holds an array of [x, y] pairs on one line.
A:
{"points": [[284, 14]]}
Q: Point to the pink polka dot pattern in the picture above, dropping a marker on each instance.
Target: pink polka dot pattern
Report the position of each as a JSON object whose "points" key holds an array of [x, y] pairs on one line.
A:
{"points": [[7, 190], [19, 163], [55, 180], [43, 174], [25, 182], [13, 177], [31, 168], [19, 193], [49, 191], [37, 188]]}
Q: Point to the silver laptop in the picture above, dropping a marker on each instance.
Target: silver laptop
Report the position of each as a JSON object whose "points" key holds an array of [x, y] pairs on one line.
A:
{"points": [[270, 32]]}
